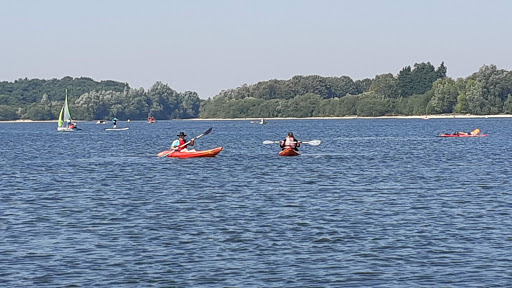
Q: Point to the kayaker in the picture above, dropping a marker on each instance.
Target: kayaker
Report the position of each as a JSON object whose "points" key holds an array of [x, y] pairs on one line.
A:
{"points": [[114, 122], [178, 145], [290, 142]]}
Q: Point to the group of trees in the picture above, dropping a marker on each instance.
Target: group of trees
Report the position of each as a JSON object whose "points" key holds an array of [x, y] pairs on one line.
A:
{"points": [[42, 100], [418, 90], [422, 89]]}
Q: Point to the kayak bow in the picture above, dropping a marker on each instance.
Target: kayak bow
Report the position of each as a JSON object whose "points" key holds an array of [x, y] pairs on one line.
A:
{"points": [[289, 152]]}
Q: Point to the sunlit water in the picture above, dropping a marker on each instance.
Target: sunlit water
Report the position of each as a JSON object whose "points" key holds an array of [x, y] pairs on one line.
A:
{"points": [[381, 203]]}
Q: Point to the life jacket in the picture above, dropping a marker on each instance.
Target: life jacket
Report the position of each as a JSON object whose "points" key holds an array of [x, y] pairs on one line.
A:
{"points": [[290, 142], [180, 146]]}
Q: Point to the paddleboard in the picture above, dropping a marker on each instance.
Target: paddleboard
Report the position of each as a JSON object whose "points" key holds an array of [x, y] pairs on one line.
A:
{"points": [[116, 129]]}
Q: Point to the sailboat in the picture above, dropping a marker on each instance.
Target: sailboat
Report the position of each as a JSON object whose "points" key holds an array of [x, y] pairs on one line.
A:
{"points": [[65, 123]]}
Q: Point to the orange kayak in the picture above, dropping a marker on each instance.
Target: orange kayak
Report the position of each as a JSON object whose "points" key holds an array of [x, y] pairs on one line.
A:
{"points": [[193, 154], [289, 152]]}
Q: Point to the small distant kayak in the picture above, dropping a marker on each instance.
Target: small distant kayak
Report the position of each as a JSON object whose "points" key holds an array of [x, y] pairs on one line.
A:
{"points": [[117, 129], [463, 135], [194, 154], [289, 152]]}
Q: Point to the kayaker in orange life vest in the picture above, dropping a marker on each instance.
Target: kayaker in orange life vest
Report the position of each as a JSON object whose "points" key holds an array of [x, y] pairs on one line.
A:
{"points": [[290, 142], [177, 145]]}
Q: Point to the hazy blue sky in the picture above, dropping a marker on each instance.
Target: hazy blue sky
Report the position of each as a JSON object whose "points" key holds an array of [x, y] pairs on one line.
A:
{"points": [[211, 45]]}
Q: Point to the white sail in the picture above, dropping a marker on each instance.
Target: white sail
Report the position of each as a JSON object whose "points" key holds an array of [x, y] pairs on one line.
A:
{"points": [[65, 117]]}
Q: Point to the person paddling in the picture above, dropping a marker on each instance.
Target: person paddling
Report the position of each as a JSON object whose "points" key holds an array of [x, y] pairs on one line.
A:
{"points": [[114, 123], [290, 142], [178, 145]]}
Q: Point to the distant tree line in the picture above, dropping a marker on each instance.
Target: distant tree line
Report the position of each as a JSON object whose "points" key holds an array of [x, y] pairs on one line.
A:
{"points": [[418, 90], [38, 99]]}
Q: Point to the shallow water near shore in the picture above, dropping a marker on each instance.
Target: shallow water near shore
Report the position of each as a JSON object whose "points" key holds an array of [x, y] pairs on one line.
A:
{"points": [[381, 203]]}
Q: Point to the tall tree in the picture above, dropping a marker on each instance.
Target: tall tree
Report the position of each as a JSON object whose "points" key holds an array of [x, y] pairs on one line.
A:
{"points": [[405, 81], [385, 86]]}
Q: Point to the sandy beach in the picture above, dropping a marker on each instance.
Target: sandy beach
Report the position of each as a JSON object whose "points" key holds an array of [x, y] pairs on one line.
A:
{"points": [[450, 116]]}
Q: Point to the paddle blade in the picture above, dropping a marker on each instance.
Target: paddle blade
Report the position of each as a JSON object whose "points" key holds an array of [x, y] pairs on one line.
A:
{"points": [[313, 142], [208, 131], [270, 142], [205, 133]]}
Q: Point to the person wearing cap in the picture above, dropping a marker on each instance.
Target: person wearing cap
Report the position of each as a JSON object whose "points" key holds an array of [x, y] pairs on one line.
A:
{"points": [[114, 122], [179, 144], [290, 142]]}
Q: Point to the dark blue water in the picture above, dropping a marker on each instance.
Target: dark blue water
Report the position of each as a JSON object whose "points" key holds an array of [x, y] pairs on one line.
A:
{"points": [[381, 203]]}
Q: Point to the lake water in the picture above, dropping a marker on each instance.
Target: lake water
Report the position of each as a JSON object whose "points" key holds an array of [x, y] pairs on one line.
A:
{"points": [[381, 203]]}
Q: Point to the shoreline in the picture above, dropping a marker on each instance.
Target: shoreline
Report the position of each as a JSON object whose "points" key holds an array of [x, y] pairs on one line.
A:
{"points": [[426, 117]]}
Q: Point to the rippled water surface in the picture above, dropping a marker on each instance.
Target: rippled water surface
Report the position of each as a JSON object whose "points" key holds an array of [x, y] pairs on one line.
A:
{"points": [[381, 203]]}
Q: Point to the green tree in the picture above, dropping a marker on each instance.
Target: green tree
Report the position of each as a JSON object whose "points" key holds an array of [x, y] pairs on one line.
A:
{"points": [[372, 107], [507, 107], [301, 106], [39, 112], [404, 83], [476, 101], [441, 71], [8, 113], [445, 95], [347, 106], [363, 85], [384, 86]]}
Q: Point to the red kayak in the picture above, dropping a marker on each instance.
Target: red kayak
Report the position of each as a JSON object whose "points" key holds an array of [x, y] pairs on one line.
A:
{"points": [[193, 154], [463, 135], [289, 152]]}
